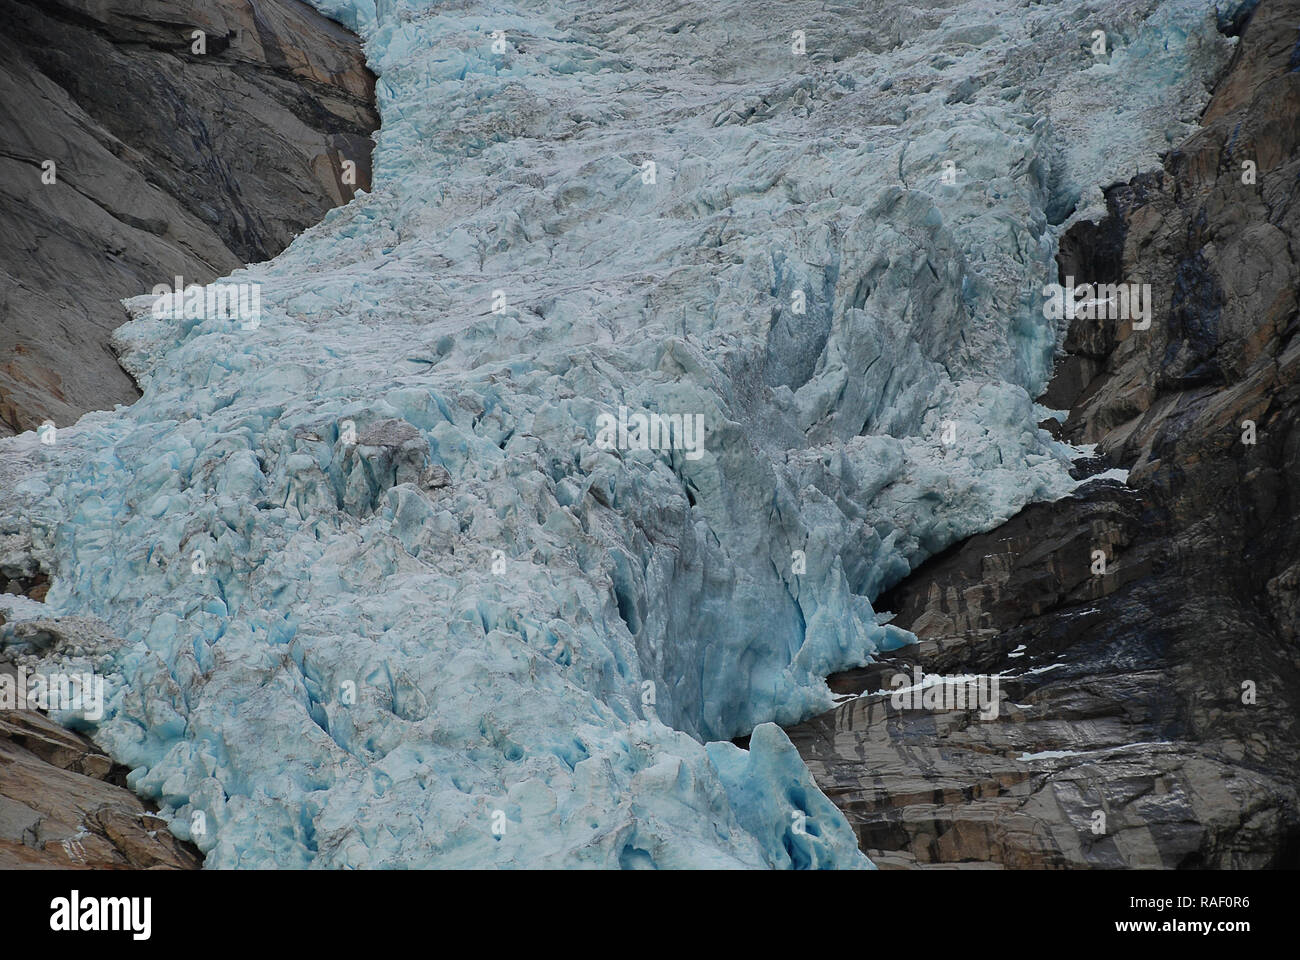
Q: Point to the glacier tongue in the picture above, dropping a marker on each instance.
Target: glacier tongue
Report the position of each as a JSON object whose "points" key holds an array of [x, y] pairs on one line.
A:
{"points": [[374, 592]]}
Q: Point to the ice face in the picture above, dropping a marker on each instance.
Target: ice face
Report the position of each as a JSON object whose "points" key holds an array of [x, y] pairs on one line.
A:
{"points": [[420, 565]]}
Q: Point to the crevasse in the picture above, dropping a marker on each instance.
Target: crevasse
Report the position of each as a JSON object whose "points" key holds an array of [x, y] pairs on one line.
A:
{"points": [[370, 592]]}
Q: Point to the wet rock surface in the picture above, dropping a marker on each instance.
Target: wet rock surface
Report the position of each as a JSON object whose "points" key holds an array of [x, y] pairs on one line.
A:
{"points": [[166, 162], [1148, 712]]}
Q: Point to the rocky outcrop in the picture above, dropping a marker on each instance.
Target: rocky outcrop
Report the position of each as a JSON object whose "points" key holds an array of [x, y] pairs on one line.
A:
{"points": [[1143, 633], [59, 808], [63, 804], [133, 153]]}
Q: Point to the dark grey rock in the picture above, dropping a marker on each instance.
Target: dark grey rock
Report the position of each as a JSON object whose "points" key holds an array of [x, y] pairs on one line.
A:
{"points": [[1149, 713], [168, 163]]}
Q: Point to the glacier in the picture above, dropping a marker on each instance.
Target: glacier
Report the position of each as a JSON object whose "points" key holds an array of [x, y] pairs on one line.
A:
{"points": [[364, 588]]}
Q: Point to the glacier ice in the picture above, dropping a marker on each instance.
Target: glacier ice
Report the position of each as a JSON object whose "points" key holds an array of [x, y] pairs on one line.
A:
{"points": [[369, 593]]}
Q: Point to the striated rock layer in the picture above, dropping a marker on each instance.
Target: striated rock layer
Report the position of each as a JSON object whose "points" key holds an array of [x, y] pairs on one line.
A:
{"points": [[1150, 711], [167, 162]]}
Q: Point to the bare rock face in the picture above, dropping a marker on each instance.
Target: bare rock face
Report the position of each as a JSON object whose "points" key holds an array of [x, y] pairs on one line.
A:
{"points": [[166, 162], [1149, 701], [58, 809], [62, 804]]}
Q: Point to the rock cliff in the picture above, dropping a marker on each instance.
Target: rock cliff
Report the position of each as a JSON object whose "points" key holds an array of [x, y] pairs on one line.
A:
{"points": [[1149, 695], [145, 140]]}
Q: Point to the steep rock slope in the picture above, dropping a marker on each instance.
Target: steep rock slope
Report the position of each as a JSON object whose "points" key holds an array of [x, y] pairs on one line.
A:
{"points": [[1150, 712], [166, 162], [376, 592]]}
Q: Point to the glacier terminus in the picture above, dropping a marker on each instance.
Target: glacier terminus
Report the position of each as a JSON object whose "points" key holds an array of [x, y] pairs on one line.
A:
{"points": [[365, 583]]}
